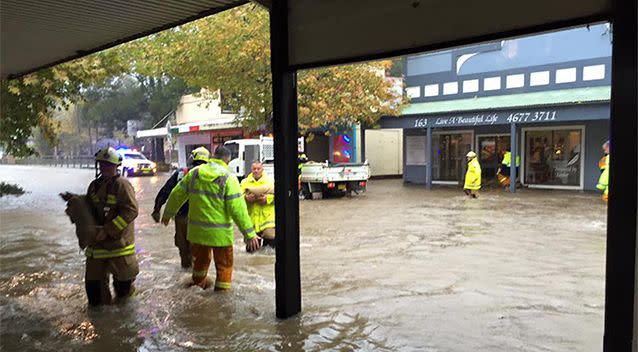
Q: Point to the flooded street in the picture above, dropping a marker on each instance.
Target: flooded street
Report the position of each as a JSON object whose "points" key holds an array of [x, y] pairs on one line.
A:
{"points": [[398, 268]]}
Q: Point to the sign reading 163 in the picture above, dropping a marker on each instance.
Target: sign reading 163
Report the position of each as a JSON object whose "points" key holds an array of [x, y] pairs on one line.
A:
{"points": [[420, 122]]}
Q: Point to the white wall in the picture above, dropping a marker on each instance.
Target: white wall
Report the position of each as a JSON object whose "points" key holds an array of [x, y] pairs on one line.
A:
{"points": [[190, 139], [197, 108], [384, 151]]}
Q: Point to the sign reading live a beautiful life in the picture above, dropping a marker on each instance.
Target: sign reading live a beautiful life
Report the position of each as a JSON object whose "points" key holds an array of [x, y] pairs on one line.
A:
{"points": [[503, 117]]}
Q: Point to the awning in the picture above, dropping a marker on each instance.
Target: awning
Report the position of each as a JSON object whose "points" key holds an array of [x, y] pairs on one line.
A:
{"points": [[577, 104], [217, 124], [156, 132]]}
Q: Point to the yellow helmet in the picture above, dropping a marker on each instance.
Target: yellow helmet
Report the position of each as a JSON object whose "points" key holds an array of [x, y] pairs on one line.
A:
{"points": [[201, 154], [108, 155]]}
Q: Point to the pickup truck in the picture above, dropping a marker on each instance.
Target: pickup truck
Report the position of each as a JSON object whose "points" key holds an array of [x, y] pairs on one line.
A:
{"points": [[333, 179]]}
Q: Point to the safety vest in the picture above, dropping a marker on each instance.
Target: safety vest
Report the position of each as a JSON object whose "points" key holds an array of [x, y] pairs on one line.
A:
{"points": [[114, 208], [215, 201], [507, 159], [603, 180], [602, 163], [262, 215], [473, 175]]}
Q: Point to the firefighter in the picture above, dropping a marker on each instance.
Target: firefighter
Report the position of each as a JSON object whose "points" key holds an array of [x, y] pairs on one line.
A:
{"points": [[603, 181], [215, 201], [112, 251], [503, 173], [472, 176], [198, 156], [258, 190]]}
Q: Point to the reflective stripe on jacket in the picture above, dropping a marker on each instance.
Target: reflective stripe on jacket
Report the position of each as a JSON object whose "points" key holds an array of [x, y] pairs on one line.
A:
{"points": [[215, 201], [262, 215], [114, 207], [473, 175]]}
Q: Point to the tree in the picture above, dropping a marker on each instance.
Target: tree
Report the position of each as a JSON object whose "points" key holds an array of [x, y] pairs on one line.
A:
{"points": [[231, 52], [30, 101]]}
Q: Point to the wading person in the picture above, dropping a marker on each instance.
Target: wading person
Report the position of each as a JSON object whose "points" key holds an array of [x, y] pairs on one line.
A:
{"points": [[198, 157], [472, 176], [258, 190], [603, 180], [112, 252], [214, 202]]}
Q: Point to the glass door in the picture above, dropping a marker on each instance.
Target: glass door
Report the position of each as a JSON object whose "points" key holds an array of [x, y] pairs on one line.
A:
{"points": [[491, 149], [449, 158]]}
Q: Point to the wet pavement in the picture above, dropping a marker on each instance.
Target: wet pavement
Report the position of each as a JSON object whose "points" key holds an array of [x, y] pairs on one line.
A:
{"points": [[395, 269]]}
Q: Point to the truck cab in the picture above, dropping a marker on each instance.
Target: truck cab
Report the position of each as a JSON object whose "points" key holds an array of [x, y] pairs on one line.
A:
{"points": [[244, 151]]}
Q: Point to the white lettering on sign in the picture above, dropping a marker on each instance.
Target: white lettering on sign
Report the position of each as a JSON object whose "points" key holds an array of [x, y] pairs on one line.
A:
{"points": [[420, 122], [532, 116]]}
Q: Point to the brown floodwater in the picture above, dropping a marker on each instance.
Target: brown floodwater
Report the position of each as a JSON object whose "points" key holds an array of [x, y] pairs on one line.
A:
{"points": [[398, 268]]}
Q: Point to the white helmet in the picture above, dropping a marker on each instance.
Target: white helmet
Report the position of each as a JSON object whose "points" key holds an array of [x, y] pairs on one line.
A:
{"points": [[471, 155]]}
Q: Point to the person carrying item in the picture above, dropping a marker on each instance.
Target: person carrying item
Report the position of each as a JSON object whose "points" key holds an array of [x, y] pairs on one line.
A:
{"points": [[258, 190], [111, 200], [472, 176], [198, 157], [603, 180], [214, 202]]}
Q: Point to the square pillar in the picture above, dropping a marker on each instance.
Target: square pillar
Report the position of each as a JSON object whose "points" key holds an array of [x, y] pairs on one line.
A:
{"points": [[514, 153], [285, 130]]}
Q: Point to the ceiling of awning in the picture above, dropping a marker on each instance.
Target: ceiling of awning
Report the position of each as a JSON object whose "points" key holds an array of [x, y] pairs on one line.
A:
{"points": [[336, 31], [36, 34], [39, 33]]}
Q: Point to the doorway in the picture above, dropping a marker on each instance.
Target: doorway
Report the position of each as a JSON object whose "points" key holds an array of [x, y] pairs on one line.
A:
{"points": [[490, 150]]}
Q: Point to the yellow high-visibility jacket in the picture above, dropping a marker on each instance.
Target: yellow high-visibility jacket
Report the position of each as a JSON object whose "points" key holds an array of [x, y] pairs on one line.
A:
{"points": [[473, 175], [214, 202], [603, 181], [507, 159], [262, 215]]}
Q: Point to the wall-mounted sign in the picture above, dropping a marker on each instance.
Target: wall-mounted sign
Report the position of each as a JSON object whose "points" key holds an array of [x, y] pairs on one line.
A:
{"points": [[502, 117]]}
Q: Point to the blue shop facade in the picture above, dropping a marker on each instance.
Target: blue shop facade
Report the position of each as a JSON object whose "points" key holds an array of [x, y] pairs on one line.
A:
{"points": [[544, 97]]}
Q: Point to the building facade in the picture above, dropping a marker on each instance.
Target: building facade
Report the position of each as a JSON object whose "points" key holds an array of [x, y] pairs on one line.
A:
{"points": [[546, 97]]}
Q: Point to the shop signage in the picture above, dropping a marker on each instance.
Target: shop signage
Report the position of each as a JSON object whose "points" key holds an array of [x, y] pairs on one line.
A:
{"points": [[501, 117], [487, 119]]}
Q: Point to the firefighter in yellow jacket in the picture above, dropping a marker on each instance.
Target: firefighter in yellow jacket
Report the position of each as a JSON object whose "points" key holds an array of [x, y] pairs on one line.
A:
{"points": [[112, 251], [258, 190], [214, 202], [603, 180], [472, 176]]}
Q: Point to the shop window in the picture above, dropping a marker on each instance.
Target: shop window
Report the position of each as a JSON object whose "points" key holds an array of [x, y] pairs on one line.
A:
{"points": [[492, 83], [470, 86], [413, 92], [566, 75], [515, 81], [431, 90], [591, 73], [450, 88], [539, 78], [553, 157]]}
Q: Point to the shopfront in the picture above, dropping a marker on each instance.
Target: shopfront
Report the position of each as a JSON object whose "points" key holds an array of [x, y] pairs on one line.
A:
{"points": [[558, 146]]}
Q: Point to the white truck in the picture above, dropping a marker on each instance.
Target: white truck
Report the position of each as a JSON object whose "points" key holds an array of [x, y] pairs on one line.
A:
{"points": [[329, 179], [333, 179], [244, 151]]}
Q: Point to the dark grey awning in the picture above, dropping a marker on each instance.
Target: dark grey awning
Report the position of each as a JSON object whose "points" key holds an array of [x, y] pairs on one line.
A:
{"points": [[38, 33]]}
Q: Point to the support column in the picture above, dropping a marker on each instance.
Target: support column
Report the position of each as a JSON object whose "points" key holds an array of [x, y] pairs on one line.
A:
{"points": [[514, 153], [620, 288], [285, 129], [428, 158]]}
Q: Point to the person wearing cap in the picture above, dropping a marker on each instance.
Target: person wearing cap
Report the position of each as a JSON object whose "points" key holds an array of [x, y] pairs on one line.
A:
{"points": [[198, 157], [472, 176], [215, 202], [112, 202]]}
